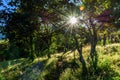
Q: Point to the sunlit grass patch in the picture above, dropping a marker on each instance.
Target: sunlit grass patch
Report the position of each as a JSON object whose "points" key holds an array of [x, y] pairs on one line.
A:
{"points": [[50, 62], [67, 75], [71, 55], [1, 41], [116, 62], [39, 59], [7, 65], [13, 68], [108, 65], [109, 62], [57, 54]]}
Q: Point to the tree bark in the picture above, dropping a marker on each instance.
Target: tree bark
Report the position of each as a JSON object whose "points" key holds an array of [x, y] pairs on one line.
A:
{"points": [[32, 49], [104, 40], [79, 49], [93, 53]]}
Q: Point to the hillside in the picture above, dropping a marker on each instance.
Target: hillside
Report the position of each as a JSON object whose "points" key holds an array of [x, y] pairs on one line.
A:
{"points": [[64, 66]]}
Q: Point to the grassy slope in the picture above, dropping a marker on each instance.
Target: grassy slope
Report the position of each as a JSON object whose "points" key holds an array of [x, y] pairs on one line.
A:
{"points": [[108, 65]]}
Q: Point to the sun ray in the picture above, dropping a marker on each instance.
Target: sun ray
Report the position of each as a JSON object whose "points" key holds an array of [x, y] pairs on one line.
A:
{"points": [[73, 20]]}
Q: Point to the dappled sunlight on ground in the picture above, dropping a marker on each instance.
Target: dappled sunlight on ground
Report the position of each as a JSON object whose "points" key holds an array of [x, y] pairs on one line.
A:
{"points": [[108, 58]]}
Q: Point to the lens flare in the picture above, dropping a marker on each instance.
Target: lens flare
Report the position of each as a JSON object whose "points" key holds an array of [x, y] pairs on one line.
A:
{"points": [[73, 20], [81, 8]]}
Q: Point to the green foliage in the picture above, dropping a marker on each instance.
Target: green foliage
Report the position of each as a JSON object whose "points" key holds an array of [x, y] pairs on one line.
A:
{"points": [[3, 48], [2, 77], [67, 75], [12, 69], [110, 49], [32, 56], [12, 52], [104, 64], [37, 28], [108, 67], [105, 71]]}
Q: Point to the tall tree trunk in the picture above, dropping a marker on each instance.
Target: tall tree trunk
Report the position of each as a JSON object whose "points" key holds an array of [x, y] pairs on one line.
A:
{"points": [[93, 53], [79, 49], [32, 49], [104, 40]]}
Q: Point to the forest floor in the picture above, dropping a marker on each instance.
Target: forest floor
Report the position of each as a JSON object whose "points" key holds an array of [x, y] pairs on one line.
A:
{"points": [[64, 66]]}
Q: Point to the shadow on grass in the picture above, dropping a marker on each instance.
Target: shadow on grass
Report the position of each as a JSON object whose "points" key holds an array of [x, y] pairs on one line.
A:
{"points": [[11, 63], [104, 72], [59, 67]]}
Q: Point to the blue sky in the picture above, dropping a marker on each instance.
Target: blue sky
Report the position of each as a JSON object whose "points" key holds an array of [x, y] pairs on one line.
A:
{"points": [[4, 2], [5, 5], [2, 7]]}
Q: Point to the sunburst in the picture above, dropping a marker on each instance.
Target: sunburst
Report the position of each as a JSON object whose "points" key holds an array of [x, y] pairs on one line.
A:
{"points": [[72, 20]]}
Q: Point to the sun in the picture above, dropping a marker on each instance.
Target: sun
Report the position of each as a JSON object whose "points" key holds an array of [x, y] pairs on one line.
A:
{"points": [[73, 20]]}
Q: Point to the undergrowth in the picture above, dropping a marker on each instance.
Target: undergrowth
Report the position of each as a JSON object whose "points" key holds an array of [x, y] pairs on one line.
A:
{"points": [[65, 66]]}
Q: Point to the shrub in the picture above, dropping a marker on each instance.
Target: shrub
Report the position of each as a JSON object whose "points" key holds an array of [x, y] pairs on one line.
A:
{"points": [[110, 49], [2, 77]]}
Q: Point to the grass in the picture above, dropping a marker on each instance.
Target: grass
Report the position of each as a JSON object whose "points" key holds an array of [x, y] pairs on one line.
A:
{"points": [[60, 66]]}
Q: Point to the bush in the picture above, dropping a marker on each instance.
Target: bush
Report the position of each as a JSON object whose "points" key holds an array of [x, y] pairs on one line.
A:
{"points": [[3, 48], [11, 53], [2, 77], [110, 49]]}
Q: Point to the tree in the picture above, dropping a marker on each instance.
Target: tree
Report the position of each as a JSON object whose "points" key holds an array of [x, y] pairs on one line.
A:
{"points": [[94, 16], [25, 24]]}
